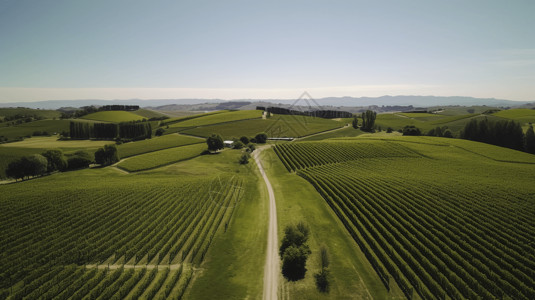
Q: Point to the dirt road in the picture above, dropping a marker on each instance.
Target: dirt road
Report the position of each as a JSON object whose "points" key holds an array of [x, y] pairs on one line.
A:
{"points": [[271, 269]]}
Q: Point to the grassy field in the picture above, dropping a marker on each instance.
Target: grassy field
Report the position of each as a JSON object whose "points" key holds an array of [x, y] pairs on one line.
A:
{"points": [[524, 116], [352, 276], [52, 142], [277, 126], [27, 129], [162, 157], [110, 222], [113, 116], [422, 116], [223, 117], [38, 145], [189, 116], [156, 143], [344, 132], [47, 114], [448, 219], [147, 113]]}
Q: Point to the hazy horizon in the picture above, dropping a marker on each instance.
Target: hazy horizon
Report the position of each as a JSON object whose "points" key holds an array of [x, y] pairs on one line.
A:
{"points": [[65, 50]]}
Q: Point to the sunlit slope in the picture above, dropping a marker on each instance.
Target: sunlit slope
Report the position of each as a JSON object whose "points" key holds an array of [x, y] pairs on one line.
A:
{"points": [[113, 116]]}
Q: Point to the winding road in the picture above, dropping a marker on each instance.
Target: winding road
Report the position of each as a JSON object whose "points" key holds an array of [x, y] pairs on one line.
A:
{"points": [[271, 269]]}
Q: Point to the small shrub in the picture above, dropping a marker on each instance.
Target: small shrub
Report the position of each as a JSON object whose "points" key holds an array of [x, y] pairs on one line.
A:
{"points": [[244, 159], [159, 132], [322, 280]]}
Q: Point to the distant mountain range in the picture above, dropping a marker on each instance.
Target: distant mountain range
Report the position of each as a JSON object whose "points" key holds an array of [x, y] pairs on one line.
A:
{"points": [[417, 101]]}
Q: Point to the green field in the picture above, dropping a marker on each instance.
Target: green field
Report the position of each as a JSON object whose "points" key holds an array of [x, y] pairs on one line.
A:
{"points": [[27, 129], [189, 116], [218, 118], [38, 145], [113, 116], [413, 217], [83, 237], [162, 157], [277, 126], [52, 142], [522, 115], [47, 114], [444, 220], [146, 113], [352, 277], [156, 143]]}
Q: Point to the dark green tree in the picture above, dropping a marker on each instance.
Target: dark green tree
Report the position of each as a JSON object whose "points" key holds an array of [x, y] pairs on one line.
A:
{"points": [[368, 120], [56, 160], [261, 138], [106, 156], [322, 280], [294, 262], [15, 169], [529, 140], [215, 142], [244, 159], [37, 165], [355, 122], [295, 235], [81, 159], [238, 145], [411, 130], [159, 132], [244, 140]]}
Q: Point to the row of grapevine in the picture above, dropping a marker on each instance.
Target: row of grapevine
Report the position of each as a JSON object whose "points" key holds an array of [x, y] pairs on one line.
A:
{"points": [[48, 243], [469, 242], [297, 156]]}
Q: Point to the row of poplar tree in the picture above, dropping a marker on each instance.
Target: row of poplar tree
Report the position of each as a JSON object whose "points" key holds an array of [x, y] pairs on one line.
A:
{"points": [[124, 130]]}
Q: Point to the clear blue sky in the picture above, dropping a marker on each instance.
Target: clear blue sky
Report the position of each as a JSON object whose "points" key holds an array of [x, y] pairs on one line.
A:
{"points": [[264, 49]]}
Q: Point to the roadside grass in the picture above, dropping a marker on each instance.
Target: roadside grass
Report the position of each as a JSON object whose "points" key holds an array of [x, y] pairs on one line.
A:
{"points": [[113, 116], [234, 265], [351, 274], [156, 143], [276, 126], [162, 157], [223, 117]]}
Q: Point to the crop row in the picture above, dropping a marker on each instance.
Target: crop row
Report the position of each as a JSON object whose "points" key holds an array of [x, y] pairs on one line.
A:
{"points": [[132, 225], [296, 156], [408, 229]]}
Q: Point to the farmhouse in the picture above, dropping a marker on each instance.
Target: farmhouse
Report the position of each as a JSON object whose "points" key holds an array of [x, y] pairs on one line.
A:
{"points": [[228, 144]]}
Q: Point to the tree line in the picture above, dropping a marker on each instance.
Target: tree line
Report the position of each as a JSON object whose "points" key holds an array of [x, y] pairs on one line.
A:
{"points": [[124, 130], [326, 114], [85, 110], [54, 160], [503, 133]]}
